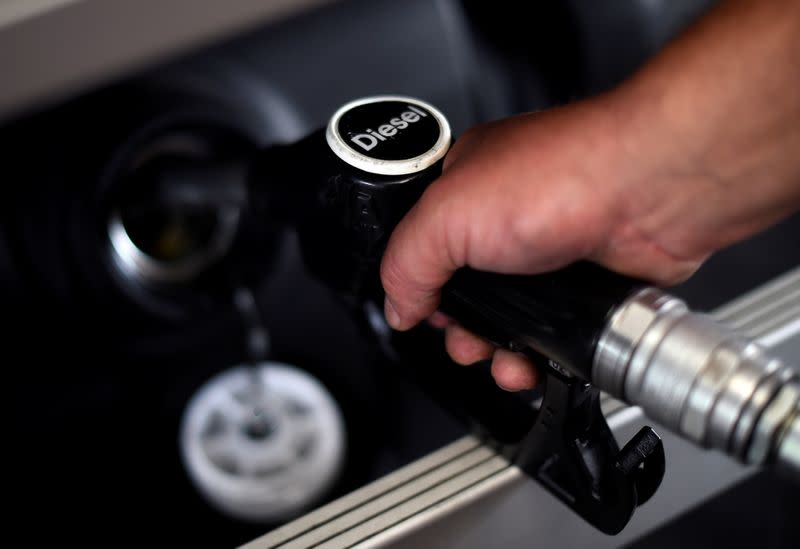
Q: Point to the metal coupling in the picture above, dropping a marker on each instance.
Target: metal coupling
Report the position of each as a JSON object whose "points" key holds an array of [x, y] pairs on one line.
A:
{"points": [[701, 380]]}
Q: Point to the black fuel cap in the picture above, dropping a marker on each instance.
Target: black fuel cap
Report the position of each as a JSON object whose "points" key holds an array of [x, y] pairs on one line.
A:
{"points": [[389, 135]]}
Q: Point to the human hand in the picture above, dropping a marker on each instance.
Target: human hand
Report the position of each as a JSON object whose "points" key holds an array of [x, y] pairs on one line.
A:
{"points": [[526, 195], [695, 152]]}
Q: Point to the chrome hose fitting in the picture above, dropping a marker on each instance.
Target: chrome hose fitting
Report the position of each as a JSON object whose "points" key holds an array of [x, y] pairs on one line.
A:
{"points": [[701, 380]]}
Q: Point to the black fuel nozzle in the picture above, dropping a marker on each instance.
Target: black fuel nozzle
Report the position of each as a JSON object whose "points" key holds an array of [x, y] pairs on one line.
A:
{"points": [[583, 323], [345, 187]]}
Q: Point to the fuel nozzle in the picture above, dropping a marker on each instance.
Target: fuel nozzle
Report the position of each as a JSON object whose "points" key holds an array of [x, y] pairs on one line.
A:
{"points": [[699, 378], [346, 186]]}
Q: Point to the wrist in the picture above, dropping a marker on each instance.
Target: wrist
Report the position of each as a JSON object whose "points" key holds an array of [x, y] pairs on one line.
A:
{"points": [[713, 125], [662, 193]]}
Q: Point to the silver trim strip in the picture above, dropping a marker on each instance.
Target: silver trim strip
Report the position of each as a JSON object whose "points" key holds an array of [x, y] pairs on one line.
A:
{"points": [[409, 498], [763, 310], [321, 517], [469, 495], [421, 503]]}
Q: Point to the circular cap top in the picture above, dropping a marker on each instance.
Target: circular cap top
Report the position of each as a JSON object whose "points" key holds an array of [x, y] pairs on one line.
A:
{"points": [[389, 134]]}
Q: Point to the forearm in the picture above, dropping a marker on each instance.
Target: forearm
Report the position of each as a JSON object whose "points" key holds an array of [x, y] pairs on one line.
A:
{"points": [[721, 104]]}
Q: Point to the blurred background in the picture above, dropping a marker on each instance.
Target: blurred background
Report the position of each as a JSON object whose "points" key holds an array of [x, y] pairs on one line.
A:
{"points": [[140, 341]]}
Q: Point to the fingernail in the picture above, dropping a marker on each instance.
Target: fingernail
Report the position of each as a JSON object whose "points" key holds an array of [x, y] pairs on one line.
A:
{"points": [[392, 317], [506, 388]]}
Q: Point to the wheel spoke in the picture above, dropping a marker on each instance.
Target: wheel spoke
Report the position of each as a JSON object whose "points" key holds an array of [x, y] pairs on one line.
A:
{"points": [[304, 429], [221, 448], [233, 409]]}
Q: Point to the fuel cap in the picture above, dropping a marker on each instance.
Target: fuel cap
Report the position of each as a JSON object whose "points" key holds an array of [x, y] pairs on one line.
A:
{"points": [[389, 135], [263, 443]]}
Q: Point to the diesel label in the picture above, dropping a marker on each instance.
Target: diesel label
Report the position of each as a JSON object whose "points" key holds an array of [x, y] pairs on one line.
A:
{"points": [[370, 138]]}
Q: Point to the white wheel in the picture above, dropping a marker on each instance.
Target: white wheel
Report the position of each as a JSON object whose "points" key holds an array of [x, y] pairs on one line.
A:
{"points": [[263, 443]]}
